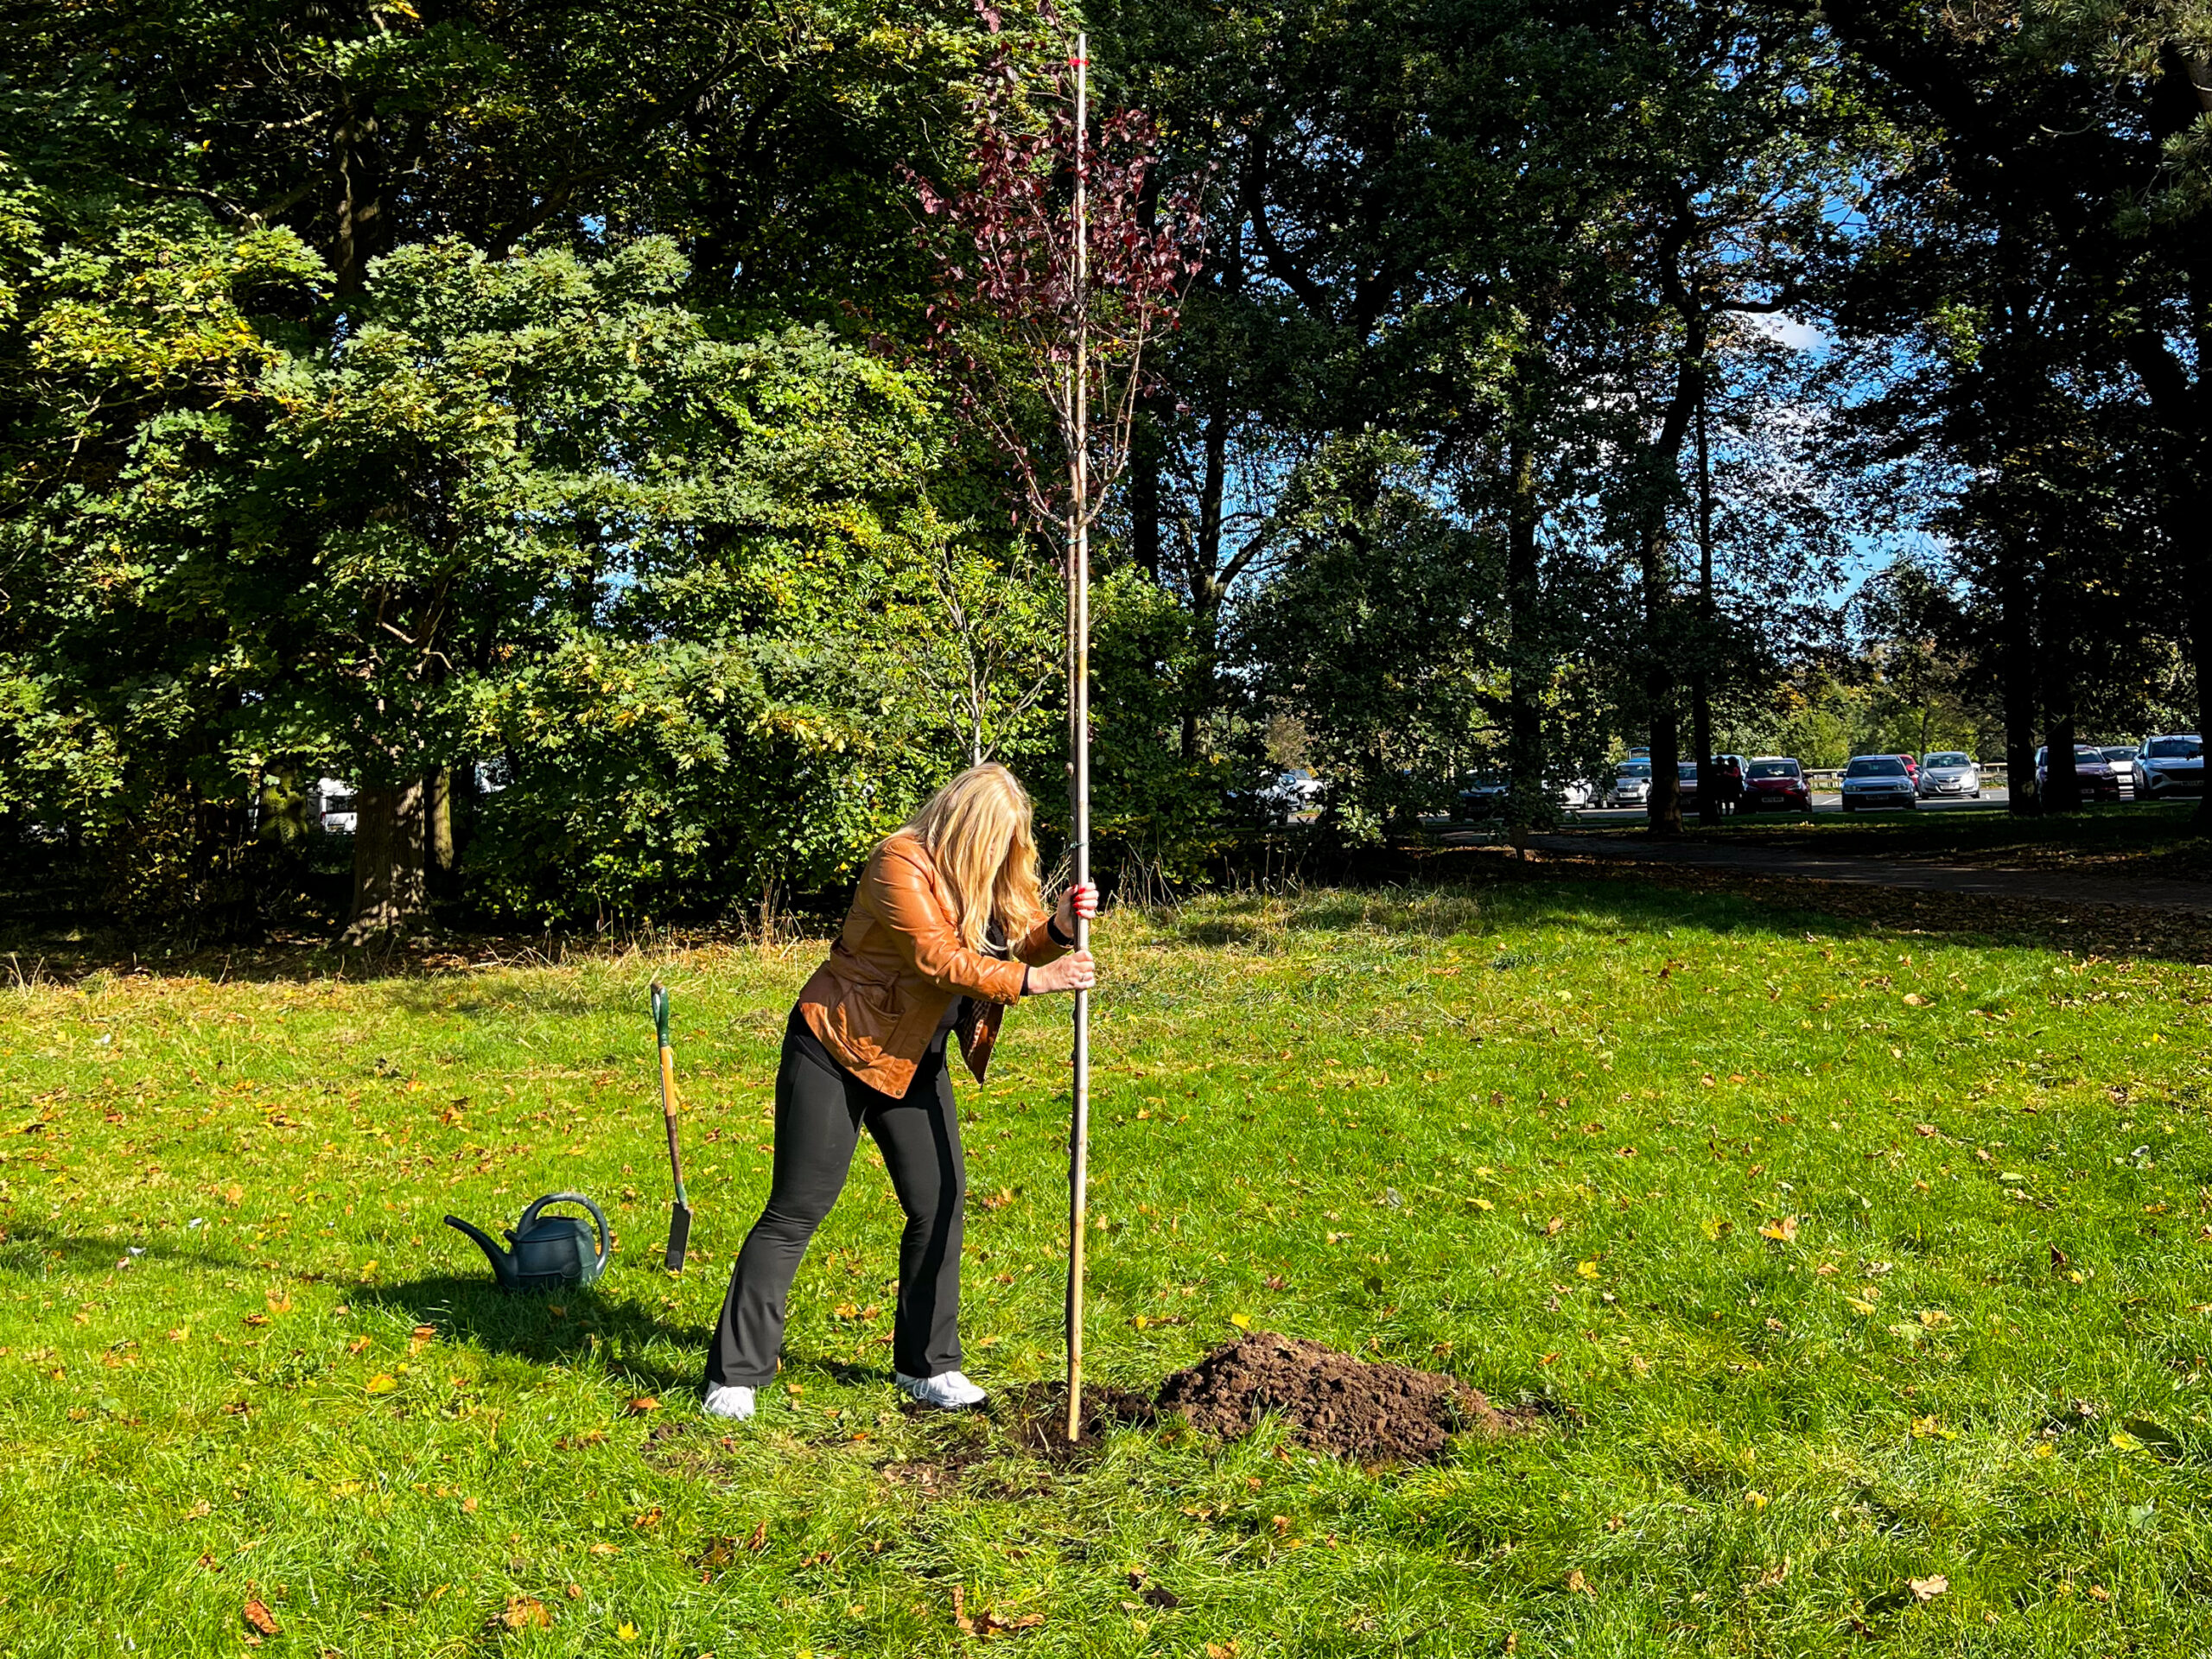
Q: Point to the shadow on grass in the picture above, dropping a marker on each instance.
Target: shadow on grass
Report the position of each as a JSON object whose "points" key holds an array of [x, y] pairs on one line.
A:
{"points": [[1473, 901], [582, 1326], [34, 1251]]}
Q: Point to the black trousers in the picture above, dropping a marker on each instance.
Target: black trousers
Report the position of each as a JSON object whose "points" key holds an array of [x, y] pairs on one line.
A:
{"points": [[821, 1109]]}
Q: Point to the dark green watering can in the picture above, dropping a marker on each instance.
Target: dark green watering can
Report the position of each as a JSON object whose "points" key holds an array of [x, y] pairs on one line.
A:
{"points": [[550, 1252]]}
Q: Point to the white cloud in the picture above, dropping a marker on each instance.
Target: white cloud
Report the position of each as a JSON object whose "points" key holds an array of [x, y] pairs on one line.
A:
{"points": [[1798, 336]]}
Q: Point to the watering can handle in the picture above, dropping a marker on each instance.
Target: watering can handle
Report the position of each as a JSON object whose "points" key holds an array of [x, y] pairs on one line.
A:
{"points": [[598, 1217]]}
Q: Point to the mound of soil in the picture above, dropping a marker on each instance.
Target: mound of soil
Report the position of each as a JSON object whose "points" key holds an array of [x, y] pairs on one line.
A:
{"points": [[1373, 1412]]}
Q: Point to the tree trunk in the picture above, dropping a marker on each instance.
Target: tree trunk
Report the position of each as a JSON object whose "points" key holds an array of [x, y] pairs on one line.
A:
{"points": [[1526, 802], [388, 893], [2062, 789], [1659, 690], [1708, 790], [1145, 461], [437, 794], [2196, 598], [2016, 655]]}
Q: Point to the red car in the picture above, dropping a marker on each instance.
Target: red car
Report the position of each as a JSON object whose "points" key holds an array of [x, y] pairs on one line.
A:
{"points": [[1776, 783], [1911, 770]]}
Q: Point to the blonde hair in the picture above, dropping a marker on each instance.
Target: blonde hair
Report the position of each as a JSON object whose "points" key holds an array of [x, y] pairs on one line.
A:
{"points": [[978, 833]]}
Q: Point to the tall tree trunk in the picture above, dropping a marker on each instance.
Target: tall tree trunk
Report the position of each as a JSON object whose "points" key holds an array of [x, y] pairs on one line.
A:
{"points": [[1708, 781], [2016, 661], [2199, 610], [388, 893], [437, 793], [1525, 801], [1146, 458], [1660, 689], [2062, 789]]}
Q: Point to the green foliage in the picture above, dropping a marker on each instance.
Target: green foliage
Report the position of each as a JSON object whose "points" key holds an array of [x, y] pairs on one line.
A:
{"points": [[1373, 631]]}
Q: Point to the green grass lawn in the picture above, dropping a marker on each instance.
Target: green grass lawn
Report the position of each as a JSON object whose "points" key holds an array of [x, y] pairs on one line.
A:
{"points": [[1853, 1260]]}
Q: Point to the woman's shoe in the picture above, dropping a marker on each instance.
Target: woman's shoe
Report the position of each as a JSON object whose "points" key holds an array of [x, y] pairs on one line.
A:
{"points": [[729, 1401], [947, 1391]]}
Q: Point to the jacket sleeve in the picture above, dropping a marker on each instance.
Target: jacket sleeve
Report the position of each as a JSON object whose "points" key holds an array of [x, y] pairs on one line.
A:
{"points": [[1038, 945], [904, 897]]}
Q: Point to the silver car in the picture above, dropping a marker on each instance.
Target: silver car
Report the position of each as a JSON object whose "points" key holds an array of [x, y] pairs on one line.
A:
{"points": [[1874, 781], [1948, 772], [1631, 784], [2167, 767]]}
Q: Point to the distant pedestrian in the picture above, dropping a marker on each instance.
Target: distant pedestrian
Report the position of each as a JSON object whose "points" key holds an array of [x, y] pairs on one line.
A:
{"points": [[1731, 785], [925, 955]]}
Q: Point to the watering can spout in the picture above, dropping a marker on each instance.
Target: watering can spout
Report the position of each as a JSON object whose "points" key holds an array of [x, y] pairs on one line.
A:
{"points": [[502, 1264]]}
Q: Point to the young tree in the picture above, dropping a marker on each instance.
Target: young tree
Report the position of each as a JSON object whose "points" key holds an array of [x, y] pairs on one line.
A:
{"points": [[1058, 270]]}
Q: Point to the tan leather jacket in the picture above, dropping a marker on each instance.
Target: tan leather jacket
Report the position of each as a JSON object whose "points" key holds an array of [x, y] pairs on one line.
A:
{"points": [[899, 964]]}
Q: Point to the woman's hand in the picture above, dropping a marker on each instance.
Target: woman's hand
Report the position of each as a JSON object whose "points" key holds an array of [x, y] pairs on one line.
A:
{"points": [[1076, 971], [1076, 901]]}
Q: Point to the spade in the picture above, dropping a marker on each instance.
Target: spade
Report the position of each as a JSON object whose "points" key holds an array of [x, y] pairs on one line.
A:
{"points": [[679, 1213]]}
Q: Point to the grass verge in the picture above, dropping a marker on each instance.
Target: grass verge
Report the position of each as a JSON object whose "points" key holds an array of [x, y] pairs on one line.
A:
{"points": [[1862, 1275]]}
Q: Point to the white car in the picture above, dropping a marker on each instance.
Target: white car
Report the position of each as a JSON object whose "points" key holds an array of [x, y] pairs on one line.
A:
{"points": [[2167, 767], [1292, 793], [332, 806], [1631, 784], [1948, 772]]}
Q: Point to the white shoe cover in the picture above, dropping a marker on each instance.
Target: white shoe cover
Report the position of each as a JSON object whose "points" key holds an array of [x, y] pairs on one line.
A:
{"points": [[729, 1402], [948, 1391]]}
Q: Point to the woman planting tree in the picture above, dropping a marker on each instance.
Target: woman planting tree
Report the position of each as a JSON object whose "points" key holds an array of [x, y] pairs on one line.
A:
{"points": [[948, 928]]}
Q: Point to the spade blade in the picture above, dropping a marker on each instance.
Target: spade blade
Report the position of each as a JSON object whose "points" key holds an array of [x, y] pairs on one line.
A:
{"points": [[679, 1235]]}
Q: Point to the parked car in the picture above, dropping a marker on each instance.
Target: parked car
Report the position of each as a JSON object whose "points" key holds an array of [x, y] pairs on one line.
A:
{"points": [[332, 806], [1774, 783], [1911, 769], [1482, 795], [1874, 781], [1292, 792], [2170, 765], [2099, 781], [1631, 784], [1947, 772]]}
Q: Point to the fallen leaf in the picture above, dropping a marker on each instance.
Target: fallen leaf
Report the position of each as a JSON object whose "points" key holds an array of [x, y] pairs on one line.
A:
{"points": [[1242, 1321], [1757, 1500], [1577, 1585], [382, 1383], [641, 1406], [358, 1345], [1915, 999], [1928, 1588], [525, 1612], [1782, 1229], [627, 1630], [260, 1618], [648, 1519], [1553, 1226], [1586, 1269], [758, 1541]]}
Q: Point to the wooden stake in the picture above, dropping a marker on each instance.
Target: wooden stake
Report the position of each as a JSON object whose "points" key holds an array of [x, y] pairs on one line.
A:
{"points": [[1079, 741]]}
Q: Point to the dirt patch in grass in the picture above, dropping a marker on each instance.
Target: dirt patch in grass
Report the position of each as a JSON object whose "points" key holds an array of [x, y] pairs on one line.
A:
{"points": [[1035, 1417], [1371, 1412]]}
